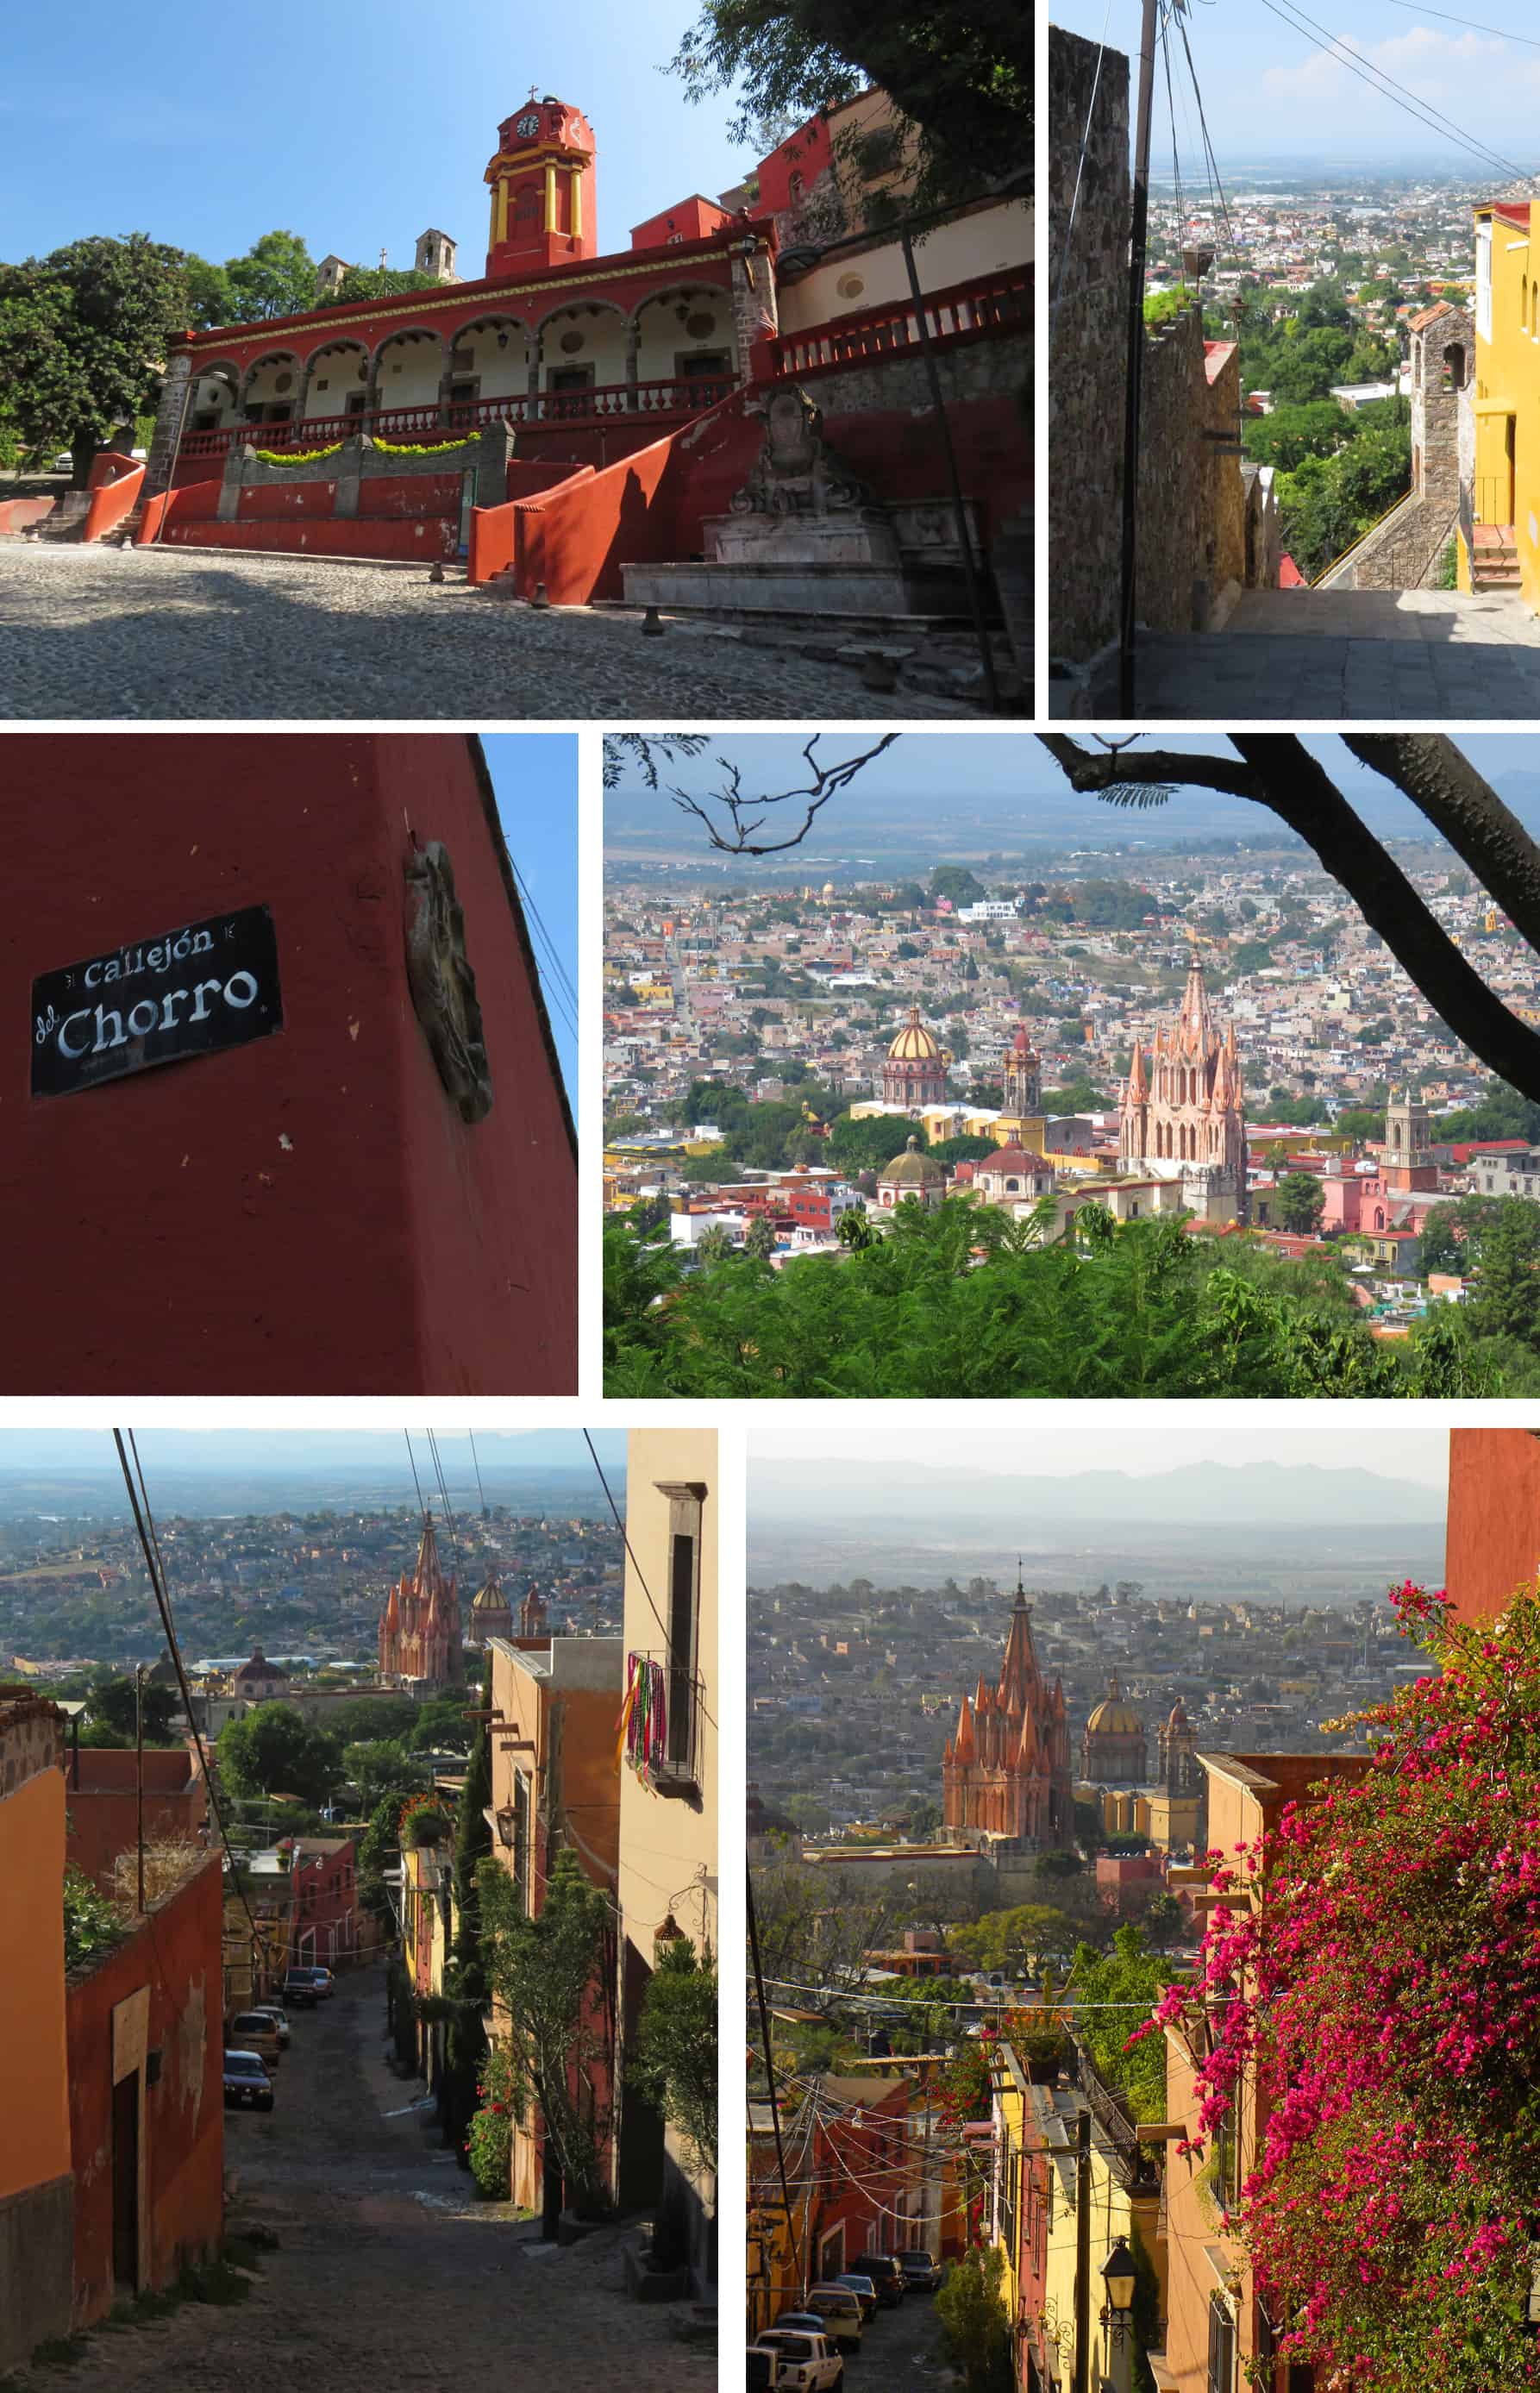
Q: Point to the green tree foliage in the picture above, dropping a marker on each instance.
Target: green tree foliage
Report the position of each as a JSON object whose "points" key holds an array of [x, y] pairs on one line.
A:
{"points": [[440, 1726], [369, 1717], [971, 2307], [962, 1150], [1507, 1284], [82, 335], [867, 1144], [1441, 1250], [272, 1751], [954, 883], [1131, 1973], [377, 282], [1327, 504], [377, 1767], [110, 1705], [1317, 429], [675, 2059], [465, 1978], [961, 73], [544, 1972], [379, 1849], [93, 1924], [1301, 1202], [277, 277], [1019, 1939], [1141, 1310]]}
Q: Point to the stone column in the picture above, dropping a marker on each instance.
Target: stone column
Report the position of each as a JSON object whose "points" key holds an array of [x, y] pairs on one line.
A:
{"points": [[170, 421], [633, 346], [537, 358]]}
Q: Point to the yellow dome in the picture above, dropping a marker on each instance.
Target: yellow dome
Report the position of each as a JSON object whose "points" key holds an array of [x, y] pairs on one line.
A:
{"points": [[1113, 1716], [491, 1598], [914, 1043]]}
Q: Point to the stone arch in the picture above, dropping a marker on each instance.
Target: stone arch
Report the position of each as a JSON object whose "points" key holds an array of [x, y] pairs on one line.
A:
{"points": [[410, 345], [1453, 374], [262, 385], [686, 334], [493, 351], [349, 379]]}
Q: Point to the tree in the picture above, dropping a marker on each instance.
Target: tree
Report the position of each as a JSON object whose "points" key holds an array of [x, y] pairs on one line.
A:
{"points": [[1278, 772], [675, 2057], [960, 74], [380, 1846], [381, 282], [440, 1726], [83, 333], [954, 883], [377, 1767], [1507, 1284], [369, 1717], [759, 1238], [1106, 1985], [1301, 1202], [110, 1704], [277, 277], [545, 1973], [1441, 1250], [273, 1751], [465, 1975], [971, 2307]]}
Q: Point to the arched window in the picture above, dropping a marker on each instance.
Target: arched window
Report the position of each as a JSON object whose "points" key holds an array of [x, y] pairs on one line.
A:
{"points": [[1454, 356]]}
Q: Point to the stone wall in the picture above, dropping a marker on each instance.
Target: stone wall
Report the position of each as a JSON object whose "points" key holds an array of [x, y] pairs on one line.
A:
{"points": [[1192, 496], [1087, 339], [32, 1738], [359, 460], [1403, 551], [1442, 359]]}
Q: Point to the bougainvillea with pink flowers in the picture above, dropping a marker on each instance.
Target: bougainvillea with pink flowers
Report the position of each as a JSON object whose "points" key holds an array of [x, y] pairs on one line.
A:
{"points": [[1376, 1973]]}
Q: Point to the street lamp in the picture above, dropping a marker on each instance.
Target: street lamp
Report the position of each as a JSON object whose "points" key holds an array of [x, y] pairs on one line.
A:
{"points": [[1118, 2276]]}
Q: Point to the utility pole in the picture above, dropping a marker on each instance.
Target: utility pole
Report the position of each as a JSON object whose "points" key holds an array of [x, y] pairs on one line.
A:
{"points": [[1082, 2249], [1138, 245], [139, 1774]]}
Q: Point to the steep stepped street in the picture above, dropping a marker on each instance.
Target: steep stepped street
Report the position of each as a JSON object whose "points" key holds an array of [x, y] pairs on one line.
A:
{"points": [[388, 2270]]}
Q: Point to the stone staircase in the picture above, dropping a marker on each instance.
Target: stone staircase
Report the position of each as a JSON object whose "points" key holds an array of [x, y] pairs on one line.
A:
{"points": [[68, 519], [1495, 559], [1012, 561]]}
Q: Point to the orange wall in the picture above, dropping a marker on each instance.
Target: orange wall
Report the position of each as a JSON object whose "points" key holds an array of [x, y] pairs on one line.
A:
{"points": [[34, 2143], [116, 482], [103, 1808], [1493, 1535]]}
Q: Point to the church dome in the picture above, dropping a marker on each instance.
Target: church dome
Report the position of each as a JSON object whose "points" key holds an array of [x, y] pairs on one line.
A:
{"points": [[1113, 1717], [1021, 1045], [914, 1043], [912, 1170], [490, 1598], [1010, 1159], [259, 1667]]}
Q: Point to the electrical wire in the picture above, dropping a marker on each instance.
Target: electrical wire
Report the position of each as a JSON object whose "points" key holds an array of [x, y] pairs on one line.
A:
{"points": [[1295, 18], [444, 1498], [1079, 173], [1469, 22], [422, 1508], [668, 1642], [770, 2078], [476, 1462]]}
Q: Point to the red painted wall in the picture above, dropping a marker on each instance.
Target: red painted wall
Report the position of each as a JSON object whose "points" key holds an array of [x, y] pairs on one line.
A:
{"points": [[693, 219], [103, 1804], [426, 539], [187, 503], [16, 514], [1491, 1537], [308, 1212], [176, 1954], [115, 484], [325, 1917]]}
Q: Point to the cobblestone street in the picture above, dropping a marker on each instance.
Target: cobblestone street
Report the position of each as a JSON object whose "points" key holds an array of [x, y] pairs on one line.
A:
{"points": [[94, 633], [388, 2271]]}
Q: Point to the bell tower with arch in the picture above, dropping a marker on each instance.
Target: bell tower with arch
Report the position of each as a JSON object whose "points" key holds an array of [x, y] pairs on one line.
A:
{"points": [[542, 182]]}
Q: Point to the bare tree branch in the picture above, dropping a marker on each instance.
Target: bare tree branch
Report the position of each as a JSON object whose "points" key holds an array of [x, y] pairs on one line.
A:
{"points": [[1462, 806], [1278, 771], [748, 816]]}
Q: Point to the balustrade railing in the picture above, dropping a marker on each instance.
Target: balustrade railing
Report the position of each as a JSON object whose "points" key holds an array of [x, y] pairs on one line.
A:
{"points": [[681, 395], [1000, 303]]}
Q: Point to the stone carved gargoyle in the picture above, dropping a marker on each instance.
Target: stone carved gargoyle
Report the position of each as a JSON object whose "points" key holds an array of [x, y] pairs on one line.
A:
{"points": [[796, 473], [442, 984]]}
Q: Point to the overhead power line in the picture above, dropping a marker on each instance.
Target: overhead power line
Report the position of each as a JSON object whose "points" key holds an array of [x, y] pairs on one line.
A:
{"points": [[1385, 83], [1502, 33]]}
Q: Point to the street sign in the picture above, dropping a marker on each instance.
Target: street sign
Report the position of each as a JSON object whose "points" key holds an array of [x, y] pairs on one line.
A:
{"points": [[190, 990]]}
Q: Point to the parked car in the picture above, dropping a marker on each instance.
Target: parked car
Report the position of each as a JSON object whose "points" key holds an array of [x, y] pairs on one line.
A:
{"points": [[805, 2362], [921, 2270], [300, 1989], [863, 2289], [279, 2018], [885, 2274], [324, 1983], [841, 2312], [764, 2369], [247, 2084], [253, 2031]]}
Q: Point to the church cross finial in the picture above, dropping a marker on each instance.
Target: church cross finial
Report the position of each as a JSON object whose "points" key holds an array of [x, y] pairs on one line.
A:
{"points": [[534, 91]]}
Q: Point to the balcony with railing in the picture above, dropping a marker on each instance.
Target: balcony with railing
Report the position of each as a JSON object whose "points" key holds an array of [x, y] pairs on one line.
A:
{"points": [[987, 308], [671, 1762], [672, 402]]}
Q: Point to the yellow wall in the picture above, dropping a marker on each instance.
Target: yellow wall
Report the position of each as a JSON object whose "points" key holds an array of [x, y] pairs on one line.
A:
{"points": [[1507, 397], [35, 2144]]}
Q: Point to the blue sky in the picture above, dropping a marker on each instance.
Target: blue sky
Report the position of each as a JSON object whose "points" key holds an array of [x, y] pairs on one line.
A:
{"points": [[357, 130], [535, 774], [1269, 91]]}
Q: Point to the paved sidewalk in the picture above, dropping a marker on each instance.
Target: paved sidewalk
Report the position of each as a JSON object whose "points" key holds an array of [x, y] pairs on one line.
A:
{"points": [[1259, 676], [107, 634]]}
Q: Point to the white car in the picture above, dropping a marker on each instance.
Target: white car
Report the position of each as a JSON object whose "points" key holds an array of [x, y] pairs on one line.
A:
{"points": [[805, 2363], [279, 2018]]}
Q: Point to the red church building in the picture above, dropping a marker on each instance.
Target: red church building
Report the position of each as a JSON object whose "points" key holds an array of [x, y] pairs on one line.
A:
{"points": [[419, 1628], [1006, 1770]]}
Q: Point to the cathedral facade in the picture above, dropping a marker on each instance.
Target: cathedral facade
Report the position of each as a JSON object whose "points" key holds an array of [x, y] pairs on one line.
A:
{"points": [[1183, 1112], [419, 1630], [1006, 1770]]}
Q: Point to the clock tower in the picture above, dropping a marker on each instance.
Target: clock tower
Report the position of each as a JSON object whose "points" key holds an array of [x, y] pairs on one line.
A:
{"points": [[542, 189]]}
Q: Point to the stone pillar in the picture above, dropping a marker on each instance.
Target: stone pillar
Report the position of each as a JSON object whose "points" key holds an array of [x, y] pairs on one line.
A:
{"points": [[753, 297], [230, 481], [349, 473], [634, 348], [537, 358], [170, 421]]}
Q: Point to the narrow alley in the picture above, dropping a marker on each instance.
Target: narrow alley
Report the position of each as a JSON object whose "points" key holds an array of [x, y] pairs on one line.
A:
{"points": [[387, 2270]]}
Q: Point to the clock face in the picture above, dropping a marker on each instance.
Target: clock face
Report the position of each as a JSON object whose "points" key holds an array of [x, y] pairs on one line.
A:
{"points": [[528, 127]]}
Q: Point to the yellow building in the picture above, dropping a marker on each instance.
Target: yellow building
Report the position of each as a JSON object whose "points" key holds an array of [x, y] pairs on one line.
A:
{"points": [[667, 1877], [1503, 488], [36, 2186]]}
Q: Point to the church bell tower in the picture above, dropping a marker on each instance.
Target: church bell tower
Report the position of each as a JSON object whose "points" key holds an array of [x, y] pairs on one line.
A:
{"points": [[541, 184]]}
